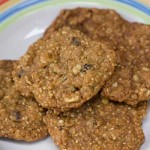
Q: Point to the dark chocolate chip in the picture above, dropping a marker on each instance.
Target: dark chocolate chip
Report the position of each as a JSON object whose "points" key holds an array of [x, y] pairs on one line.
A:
{"points": [[75, 41], [86, 67]]}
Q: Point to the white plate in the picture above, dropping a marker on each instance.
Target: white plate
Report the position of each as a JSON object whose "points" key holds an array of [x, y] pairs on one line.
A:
{"points": [[19, 31]]}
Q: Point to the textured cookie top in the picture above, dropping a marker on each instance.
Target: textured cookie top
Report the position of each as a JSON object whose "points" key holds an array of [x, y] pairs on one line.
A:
{"points": [[96, 23], [130, 82], [19, 77], [98, 125], [21, 118], [131, 79], [67, 69], [6, 81]]}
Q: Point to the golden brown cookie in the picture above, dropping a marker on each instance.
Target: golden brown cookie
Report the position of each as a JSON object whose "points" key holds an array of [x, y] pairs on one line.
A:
{"points": [[21, 118], [131, 79], [99, 124], [67, 69], [6, 68]]}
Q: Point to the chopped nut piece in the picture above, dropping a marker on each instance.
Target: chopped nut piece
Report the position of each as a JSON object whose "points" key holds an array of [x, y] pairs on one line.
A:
{"points": [[76, 69], [136, 78], [115, 84], [45, 58], [73, 99], [145, 68], [148, 93], [134, 96], [60, 123], [105, 101]]}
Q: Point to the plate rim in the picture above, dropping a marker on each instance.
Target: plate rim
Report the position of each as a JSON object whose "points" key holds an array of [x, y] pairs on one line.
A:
{"points": [[121, 5]]}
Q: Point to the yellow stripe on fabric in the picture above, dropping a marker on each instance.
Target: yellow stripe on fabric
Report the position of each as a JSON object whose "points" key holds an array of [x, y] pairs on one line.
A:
{"points": [[9, 4]]}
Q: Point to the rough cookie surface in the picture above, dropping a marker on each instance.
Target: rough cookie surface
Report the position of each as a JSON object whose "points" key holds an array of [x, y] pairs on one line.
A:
{"points": [[67, 68], [131, 79], [99, 124], [130, 82], [19, 77], [6, 81], [21, 118], [96, 23]]}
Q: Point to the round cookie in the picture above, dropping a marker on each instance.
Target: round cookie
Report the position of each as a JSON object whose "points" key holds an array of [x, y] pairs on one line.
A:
{"points": [[98, 125], [21, 118], [6, 68], [67, 69], [131, 79]]}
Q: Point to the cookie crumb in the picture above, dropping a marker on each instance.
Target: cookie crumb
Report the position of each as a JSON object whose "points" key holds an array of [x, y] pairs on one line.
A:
{"points": [[73, 99], [145, 68], [76, 69], [136, 78], [105, 101], [115, 84]]}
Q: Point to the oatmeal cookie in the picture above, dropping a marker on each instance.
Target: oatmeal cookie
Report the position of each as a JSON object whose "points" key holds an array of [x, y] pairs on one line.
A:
{"points": [[67, 69], [99, 124], [130, 81], [6, 81], [21, 118]]}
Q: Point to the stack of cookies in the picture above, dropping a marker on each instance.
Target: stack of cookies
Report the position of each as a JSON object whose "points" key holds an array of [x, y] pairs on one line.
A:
{"points": [[86, 82]]}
